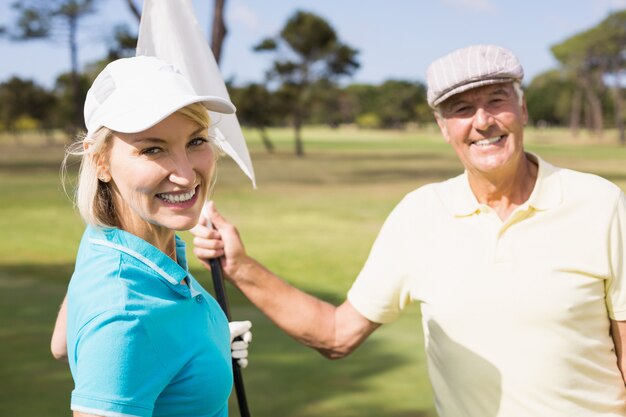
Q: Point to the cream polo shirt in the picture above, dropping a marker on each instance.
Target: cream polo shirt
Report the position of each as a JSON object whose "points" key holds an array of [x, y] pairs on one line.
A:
{"points": [[516, 313]]}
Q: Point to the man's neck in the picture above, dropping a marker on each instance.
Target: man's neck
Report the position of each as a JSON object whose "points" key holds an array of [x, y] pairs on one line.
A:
{"points": [[505, 191]]}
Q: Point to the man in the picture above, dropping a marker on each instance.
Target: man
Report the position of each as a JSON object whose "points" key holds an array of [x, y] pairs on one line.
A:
{"points": [[518, 265]]}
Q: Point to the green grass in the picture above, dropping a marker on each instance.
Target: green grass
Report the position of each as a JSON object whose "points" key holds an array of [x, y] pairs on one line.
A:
{"points": [[311, 220]]}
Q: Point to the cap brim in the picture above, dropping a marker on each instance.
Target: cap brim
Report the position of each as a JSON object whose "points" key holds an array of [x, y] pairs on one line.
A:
{"points": [[218, 104], [469, 86], [118, 117]]}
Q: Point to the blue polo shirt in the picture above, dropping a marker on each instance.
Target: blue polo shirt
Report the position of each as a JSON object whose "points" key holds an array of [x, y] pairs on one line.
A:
{"points": [[140, 342]]}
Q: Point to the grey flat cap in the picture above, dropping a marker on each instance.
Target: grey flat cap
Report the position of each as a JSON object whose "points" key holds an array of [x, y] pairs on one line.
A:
{"points": [[469, 68]]}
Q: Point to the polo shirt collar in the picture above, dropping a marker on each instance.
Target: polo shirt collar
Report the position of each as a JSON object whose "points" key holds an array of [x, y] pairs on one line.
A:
{"points": [[171, 271], [458, 196], [459, 199], [548, 191]]}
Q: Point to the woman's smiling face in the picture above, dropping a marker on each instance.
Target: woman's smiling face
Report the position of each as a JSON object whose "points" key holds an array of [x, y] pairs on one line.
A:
{"points": [[161, 176]]}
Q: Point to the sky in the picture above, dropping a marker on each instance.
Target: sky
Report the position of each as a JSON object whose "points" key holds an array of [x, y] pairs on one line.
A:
{"points": [[396, 39]]}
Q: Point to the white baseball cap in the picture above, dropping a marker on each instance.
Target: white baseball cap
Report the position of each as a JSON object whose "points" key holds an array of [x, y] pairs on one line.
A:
{"points": [[133, 94]]}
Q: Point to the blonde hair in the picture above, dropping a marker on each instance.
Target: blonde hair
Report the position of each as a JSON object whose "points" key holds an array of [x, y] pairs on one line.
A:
{"points": [[93, 197]]}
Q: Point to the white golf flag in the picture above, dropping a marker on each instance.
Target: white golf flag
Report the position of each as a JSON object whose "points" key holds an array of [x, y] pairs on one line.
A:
{"points": [[170, 31]]}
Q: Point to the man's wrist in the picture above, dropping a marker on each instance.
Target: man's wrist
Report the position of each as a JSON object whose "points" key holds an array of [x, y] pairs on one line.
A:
{"points": [[242, 271]]}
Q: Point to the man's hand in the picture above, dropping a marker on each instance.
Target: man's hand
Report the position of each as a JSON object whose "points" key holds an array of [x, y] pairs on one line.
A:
{"points": [[239, 348], [215, 237]]}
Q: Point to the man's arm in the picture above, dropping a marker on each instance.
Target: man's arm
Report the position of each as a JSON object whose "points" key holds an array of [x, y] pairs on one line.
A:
{"points": [[618, 332], [333, 331], [618, 231], [58, 344]]}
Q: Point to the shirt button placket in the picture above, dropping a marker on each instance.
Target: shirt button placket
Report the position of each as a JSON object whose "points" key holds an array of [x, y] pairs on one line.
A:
{"points": [[502, 252]]}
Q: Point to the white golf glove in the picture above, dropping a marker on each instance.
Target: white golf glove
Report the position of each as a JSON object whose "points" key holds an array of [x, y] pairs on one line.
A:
{"points": [[239, 348]]}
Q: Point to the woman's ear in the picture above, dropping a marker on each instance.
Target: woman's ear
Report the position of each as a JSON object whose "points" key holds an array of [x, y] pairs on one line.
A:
{"points": [[99, 160], [104, 177], [102, 168]]}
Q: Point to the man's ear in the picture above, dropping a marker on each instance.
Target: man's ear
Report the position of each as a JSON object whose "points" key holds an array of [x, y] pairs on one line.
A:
{"points": [[442, 125]]}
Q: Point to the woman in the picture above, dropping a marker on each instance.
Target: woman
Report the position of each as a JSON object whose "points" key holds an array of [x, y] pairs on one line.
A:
{"points": [[143, 337]]}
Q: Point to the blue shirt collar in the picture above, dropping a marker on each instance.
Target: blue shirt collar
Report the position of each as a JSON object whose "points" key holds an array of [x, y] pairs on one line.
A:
{"points": [[170, 271]]}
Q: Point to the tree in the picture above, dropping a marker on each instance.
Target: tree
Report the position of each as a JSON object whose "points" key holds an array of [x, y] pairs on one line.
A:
{"points": [[307, 50], [64, 93], [363, 99], [219, 31], [398, 102], [549, 97], [256, 107], [394, 103], [590, 57], [610, 48], [576, 55], [54, 20], [134, 10], [329, 104], [123, 43], [23, 98]]}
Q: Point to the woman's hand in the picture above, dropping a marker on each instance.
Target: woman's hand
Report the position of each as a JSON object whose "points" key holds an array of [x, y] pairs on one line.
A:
{"points": [[214, 237]]}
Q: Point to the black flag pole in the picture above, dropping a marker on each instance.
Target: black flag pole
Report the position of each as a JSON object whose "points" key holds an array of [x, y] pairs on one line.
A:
{"points": [[222, 300]]}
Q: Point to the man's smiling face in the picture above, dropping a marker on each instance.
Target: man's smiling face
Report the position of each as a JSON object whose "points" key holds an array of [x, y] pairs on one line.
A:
{"points": [[485, 126]]}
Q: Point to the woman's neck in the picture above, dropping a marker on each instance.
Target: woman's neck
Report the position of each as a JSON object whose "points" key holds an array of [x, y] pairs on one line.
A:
{"points": [[158, 236]]}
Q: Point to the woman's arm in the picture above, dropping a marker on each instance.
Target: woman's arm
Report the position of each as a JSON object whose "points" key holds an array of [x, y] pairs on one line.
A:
{"points": [[58, 344]]}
